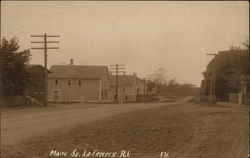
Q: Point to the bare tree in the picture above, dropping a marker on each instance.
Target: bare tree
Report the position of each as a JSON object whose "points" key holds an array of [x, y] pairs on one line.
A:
{"points": [[159, 77]]}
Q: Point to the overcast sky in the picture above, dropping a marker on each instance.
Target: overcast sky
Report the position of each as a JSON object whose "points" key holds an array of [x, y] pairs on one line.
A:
{"points": [[142, 35]]}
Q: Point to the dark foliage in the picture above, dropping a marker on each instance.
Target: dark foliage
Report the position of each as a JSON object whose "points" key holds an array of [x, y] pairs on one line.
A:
{"points": [[229, 68], [14, 76]]}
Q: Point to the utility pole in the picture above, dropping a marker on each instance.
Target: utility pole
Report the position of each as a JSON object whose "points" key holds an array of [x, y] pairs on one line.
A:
{"points": [[213, 81], [116, 69], [45, 47], [144, 86]]}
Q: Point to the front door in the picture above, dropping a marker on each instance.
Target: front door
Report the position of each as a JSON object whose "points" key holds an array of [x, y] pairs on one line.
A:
{"points": [[56, 95], [71, 93]]}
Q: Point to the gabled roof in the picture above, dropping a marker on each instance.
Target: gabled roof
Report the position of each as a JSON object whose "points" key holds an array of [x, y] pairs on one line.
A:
{"points": [[35, 66], [78, 71], [123, 79]]}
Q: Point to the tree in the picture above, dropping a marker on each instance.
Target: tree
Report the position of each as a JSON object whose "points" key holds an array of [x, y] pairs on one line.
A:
{"points": [[150, 86], [176, 88], [159, 81], [14, 75], [246, 43], [159, 77], [228, 67]]}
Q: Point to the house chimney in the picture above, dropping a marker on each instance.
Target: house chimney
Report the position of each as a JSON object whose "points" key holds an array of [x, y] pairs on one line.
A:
{"points": [[71, 62]]}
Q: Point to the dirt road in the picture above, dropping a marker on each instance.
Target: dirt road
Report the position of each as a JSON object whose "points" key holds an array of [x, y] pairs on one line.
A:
{"points": [[18, 124], [182, 129]]}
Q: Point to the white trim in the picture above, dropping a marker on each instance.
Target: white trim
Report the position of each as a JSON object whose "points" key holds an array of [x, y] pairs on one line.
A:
{"points": [[53, 94]]}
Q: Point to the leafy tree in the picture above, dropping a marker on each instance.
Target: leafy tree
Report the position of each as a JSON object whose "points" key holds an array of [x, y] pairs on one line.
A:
{"points": [[14, 76], [228, 67]]}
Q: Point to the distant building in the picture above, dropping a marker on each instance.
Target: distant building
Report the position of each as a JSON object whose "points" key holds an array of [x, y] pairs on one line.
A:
{"points": [[78, 83], [129, 88]]}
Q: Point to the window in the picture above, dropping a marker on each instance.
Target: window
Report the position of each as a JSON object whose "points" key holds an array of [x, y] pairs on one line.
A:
{"points": [[69, 82], [56, 82], [79, 82]]}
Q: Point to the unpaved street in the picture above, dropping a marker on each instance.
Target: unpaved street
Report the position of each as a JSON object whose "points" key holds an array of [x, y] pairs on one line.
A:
{"points": [[183, 129], [19, 124]]}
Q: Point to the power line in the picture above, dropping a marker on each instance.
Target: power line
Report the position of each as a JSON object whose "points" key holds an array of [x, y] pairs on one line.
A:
{"points": [[116, 69], [45, 47]]}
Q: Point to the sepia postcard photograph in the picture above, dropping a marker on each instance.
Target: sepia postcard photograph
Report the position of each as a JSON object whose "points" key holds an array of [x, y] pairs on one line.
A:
{"points": [[124, 79]]}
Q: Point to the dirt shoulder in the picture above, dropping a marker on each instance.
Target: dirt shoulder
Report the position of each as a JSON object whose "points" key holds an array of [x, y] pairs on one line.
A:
{"points": [[185, 129]]}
